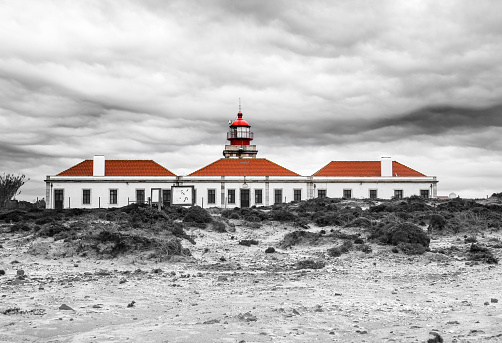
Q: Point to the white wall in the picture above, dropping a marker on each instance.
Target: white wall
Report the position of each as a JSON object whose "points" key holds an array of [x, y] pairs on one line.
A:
{"points": [[267, 185], [100, 193], [385, 190]]}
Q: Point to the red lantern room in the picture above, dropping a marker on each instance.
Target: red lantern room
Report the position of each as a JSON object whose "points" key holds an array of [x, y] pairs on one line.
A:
{"points": [[240, 137], [239, 133]]}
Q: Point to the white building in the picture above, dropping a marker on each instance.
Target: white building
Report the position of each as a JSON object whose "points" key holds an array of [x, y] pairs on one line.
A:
{"points": [[238, 180]]}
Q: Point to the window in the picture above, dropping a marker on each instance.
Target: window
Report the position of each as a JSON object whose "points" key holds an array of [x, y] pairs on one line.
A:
{"points": [[211, 196], [373, 194], [398, 193], [277, 196], [231, 196], [321, 193], [140, 196], [86, 196], [347, 193], [113, 197], [258, 196], [297, 195], [424, 193]]}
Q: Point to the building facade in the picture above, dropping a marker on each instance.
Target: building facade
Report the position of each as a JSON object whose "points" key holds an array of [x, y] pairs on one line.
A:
{"points": [[240, 179]]}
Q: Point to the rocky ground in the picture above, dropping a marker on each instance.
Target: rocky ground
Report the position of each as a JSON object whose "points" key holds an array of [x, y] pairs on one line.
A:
{"points": [[228, 292]]}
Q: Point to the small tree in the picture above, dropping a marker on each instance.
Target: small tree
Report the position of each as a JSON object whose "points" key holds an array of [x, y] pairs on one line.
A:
{"points": [[9, 187]]}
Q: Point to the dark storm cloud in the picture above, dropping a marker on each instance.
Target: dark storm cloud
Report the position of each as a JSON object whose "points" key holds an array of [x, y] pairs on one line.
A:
{"points": [[326, 79]]}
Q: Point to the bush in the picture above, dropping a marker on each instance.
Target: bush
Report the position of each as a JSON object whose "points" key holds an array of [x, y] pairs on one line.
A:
{"points": [[51, 230], [248, 242], [197, 214], [300, 236], [401, 233], [481, 253], [310, 264], [19, 227], [471, 239], [436, 222], [330, 219], [344, 248], [412, 248], [360, 222], [219, 226], [365, 248], [282, 215]]}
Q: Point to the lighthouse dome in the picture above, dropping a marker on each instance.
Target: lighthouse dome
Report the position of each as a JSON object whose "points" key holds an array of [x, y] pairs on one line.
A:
{"points": [[239, 121]]}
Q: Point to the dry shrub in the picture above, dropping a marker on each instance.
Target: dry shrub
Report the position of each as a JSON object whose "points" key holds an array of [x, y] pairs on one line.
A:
{"points": [[197, 214], [365, 248], [436, 223], [400, 233], [218, 226], [310, 264], [481, 253], [360, 222], [298, 237], [327, 219], [344, 248], [412, 248], [281, 215]]}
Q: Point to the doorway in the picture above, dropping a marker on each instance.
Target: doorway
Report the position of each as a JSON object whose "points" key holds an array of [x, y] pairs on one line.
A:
{"points": [[58, 199], [244, 198]]}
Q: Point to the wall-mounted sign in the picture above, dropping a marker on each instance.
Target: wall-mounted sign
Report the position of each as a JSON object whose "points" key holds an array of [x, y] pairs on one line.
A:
{"points": [[182, 195]]}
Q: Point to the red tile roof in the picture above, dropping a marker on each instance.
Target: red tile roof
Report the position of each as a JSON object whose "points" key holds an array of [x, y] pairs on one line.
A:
{"points": [[120, 168], [241, 166], [364, 169]]}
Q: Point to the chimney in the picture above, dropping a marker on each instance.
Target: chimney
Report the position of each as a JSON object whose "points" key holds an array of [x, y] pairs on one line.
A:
{"points": [[386, 167], [98, 165]]}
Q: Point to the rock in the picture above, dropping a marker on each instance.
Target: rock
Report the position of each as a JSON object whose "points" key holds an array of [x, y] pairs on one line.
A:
{"points": [[434, 337], [270, 250], [122, 281], [2, 272], [487, 303], [20, 272], [65, 307], [157, 271], [212, 321], [131, 304], [247, 317], [222, 259], [96, 306], [318, 308], [494, 300], [295, 312]]}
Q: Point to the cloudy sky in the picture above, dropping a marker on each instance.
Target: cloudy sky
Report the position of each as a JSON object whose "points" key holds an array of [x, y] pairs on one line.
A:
{"points": [[420, 81]]}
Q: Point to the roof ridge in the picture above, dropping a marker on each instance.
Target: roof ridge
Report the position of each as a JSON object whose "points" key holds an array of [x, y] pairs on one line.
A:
{"points": [[210, 164], [416, 171], [282, 167]]}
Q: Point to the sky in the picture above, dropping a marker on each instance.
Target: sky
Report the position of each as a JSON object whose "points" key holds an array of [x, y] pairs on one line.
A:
{"points": [[319, 81]]}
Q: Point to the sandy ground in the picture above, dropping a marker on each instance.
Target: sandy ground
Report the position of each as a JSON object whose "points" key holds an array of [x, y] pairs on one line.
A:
{"points": [[251, 296]]}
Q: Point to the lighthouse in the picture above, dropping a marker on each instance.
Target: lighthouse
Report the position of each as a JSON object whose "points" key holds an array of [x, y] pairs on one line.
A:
{"points": [[240, 136]]}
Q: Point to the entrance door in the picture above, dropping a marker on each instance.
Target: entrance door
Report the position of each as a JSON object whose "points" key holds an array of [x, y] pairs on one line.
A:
{"points": [[244, 198], [166, 197], [58, 199]]}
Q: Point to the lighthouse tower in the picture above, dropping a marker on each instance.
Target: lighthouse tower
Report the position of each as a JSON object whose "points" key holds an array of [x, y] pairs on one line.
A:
{"points": [[240, 137]]}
